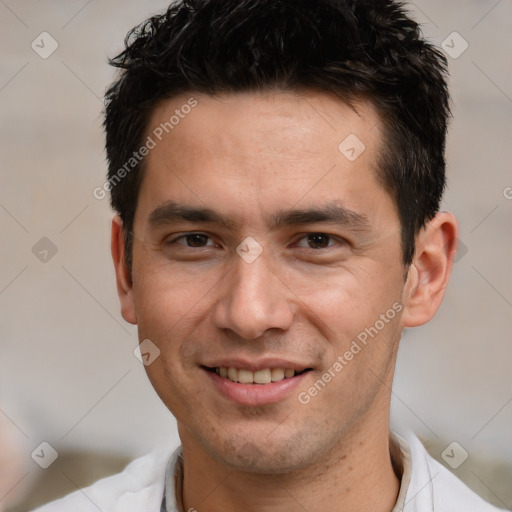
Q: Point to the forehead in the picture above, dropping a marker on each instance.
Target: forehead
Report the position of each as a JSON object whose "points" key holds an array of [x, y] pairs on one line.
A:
{"points": [[261, 150], [313, 121]]}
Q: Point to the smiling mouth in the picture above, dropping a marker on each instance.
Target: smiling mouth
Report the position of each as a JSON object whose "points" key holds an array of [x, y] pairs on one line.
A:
{"points": [[265, 376]]}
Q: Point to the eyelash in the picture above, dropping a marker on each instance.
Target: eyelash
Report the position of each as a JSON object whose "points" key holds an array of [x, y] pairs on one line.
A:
{"points": [[331, 238], [186, 235]]}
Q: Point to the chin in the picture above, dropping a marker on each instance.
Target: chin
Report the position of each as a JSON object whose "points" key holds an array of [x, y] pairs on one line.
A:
{"points": [[252, 460], [262, 457]]}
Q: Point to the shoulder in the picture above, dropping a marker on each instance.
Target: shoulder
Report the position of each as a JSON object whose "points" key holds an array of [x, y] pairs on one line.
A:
{"points": [[139, 487], [434, 486]]}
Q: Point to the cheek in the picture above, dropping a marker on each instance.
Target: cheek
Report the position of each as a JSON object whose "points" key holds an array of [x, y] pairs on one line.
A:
{"points": [[346, 299], [358, 313], [172, 309], [166, 296]]}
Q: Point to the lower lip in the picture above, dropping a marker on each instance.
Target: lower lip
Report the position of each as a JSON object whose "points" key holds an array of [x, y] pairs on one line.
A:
{"points": [[254, 395]]}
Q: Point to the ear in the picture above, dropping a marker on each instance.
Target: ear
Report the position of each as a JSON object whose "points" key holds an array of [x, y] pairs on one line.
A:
{"points": [[123, 274], [429, 273]]}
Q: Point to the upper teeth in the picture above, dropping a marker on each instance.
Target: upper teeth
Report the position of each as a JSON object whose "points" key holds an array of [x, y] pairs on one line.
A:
{"points": [[259, 377]]}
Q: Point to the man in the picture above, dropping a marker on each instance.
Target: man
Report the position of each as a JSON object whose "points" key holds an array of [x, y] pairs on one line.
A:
{"points": [[277, 169]]}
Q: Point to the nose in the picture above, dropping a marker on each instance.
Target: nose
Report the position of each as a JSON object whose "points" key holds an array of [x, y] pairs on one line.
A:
{"points": [[253, 300]]}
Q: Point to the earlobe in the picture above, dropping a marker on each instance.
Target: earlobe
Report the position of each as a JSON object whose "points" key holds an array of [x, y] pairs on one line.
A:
{"points": [[123, 274], [429, 273]]}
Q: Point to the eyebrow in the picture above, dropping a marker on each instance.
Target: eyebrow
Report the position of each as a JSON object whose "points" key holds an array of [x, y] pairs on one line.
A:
{"points": [[171, 211], [332, 213]]}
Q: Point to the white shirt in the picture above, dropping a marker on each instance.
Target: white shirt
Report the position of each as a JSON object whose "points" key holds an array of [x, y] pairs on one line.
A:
{"points": [[426, 486]]}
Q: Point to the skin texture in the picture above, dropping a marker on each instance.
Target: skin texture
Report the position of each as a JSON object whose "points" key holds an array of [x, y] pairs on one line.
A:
{"points": [[250, 158]]}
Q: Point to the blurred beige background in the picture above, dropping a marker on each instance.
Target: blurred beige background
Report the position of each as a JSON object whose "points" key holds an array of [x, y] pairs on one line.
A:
{"points": [[68, 375]]}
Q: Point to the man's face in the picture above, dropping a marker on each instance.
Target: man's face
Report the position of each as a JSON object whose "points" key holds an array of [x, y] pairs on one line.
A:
{"points": [[319, 262]]}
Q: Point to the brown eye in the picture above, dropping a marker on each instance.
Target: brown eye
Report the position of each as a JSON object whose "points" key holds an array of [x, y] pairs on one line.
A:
{"points": [[192, 240], [196, 240], [318, 240]]}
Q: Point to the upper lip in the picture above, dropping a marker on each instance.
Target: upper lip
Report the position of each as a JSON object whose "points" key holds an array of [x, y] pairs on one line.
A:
{"points": [[256, 365]]}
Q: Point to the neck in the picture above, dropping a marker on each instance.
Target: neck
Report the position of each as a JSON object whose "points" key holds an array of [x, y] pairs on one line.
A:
{"points": [[356, 475]]}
